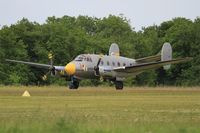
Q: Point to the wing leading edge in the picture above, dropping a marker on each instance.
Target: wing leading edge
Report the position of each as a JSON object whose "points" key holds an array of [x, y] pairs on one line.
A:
{"points": [[38, 65], [149, 59], [151, 65]]}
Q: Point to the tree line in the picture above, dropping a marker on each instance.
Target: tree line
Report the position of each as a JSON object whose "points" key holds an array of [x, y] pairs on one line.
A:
{"points": [[67, 37]]}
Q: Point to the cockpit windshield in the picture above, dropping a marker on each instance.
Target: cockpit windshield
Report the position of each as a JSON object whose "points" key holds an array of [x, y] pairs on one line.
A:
{"points": [[83, 58], [79, 58]]}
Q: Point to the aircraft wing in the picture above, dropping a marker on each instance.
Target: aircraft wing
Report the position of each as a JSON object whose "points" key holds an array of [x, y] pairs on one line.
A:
{"points": [[151, 65], [149, 59], [38, 65]]}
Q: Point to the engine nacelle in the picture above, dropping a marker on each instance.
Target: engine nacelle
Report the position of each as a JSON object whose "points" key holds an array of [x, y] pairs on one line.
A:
{"points": [[58, 71], [106, 72]]}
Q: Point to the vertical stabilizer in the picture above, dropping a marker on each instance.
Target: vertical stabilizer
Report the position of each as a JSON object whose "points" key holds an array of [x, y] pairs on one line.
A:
{"points": [[114, 49], [166, 54]]}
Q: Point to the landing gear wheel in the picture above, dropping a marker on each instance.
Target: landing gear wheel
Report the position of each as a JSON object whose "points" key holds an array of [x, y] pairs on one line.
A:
{"points": [[74, 84], [118, 85]]}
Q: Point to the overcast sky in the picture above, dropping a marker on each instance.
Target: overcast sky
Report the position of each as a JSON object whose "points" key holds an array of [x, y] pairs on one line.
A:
{"points": [[141, 13]]}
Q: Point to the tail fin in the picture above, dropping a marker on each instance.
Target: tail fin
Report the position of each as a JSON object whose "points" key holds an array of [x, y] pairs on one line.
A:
{"points": [[114, 49], [166, 54]]}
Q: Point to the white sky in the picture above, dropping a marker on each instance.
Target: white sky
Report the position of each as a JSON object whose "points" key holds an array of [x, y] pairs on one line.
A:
{"points": [[141, 13]]}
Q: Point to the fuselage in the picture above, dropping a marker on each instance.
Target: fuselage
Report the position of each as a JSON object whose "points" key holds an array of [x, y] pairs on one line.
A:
{"points": [[110, 67], [84, 65]]}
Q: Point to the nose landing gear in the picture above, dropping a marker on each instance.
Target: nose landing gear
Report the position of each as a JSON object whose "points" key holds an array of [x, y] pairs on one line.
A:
{"points": [[74, 84]]}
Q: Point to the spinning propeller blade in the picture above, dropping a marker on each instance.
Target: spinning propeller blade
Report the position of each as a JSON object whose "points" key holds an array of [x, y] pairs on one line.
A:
{"points": [[96, 68], [51, 68]]}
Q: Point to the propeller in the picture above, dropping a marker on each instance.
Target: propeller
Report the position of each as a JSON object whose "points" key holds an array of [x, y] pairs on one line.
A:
{"points": [[51, 68], [50, 59], [96, 68]]}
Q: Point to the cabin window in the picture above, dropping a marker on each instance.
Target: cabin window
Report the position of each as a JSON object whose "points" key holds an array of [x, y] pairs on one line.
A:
{"points": [[118, 64], [113, 63], [102, 63], [124, 64], [84, 59], [79, 58], [108, 63], [89, 59]]}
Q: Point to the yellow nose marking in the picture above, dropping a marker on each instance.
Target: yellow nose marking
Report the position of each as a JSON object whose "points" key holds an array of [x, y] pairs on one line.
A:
{"points": [[70, 68]]}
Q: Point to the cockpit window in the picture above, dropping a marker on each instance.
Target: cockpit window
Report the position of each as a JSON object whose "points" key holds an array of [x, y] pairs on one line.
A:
{"points": [[83, 58], [89, 59], [79, 58]]}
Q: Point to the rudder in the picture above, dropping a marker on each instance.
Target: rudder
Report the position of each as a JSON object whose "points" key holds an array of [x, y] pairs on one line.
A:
{"points": [[166, 54], [114, 49]]}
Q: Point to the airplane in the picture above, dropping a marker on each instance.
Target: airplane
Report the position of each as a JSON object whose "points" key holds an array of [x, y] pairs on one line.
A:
{"points": [[111, 67]]}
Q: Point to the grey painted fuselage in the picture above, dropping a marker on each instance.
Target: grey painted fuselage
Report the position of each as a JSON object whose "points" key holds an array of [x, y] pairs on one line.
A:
{"points": [[85, 64], [112, 67]]}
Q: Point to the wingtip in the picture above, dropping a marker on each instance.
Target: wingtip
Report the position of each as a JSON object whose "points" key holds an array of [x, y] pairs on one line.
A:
{"points": [[189, 58], [7, 59]]}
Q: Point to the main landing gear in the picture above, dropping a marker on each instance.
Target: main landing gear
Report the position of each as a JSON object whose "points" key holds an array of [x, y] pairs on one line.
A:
{"points": [[119, 85], [74, 84]]}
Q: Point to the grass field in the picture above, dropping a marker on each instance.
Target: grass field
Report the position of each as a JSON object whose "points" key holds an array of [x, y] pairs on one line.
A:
{"points": [[99, 110]]}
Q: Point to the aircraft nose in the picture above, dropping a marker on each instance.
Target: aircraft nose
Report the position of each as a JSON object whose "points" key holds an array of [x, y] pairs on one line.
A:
{"points": [[70, 68]]}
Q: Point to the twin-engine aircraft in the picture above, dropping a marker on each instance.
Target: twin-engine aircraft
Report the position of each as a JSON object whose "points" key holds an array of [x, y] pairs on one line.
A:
{"points": [[112, 67]]}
